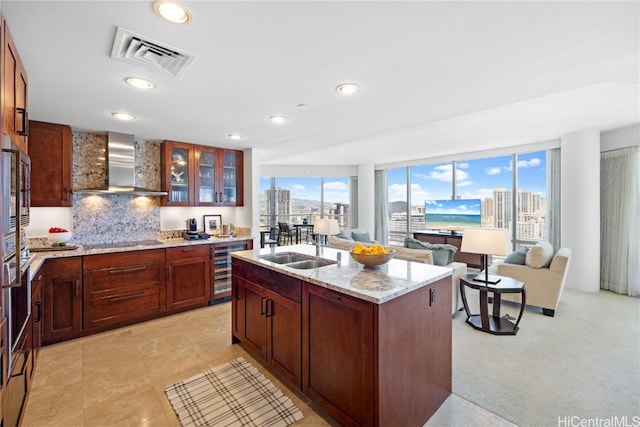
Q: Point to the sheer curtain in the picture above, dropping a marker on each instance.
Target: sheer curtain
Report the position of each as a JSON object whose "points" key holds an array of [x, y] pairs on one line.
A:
{"points": [[619, 223], [553, 197], [380, 203]]}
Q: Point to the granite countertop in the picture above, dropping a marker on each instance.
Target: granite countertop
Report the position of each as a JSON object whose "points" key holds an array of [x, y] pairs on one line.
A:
{"points": [[377, 285], [40, 257]]}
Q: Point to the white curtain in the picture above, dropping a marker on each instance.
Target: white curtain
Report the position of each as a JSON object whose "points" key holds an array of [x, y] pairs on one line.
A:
{"points": [[380, 204], [619, 219]]}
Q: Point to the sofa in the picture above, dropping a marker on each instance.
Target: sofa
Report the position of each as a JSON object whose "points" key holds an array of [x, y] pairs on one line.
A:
{"points": [[416, 255], [543, 271]]}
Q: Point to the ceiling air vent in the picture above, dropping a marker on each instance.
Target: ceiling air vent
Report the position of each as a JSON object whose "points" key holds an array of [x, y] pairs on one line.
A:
{"points": [[139, 50]]}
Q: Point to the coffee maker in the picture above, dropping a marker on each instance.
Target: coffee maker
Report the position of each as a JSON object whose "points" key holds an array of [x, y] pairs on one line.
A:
{"points": [[191, 232]]}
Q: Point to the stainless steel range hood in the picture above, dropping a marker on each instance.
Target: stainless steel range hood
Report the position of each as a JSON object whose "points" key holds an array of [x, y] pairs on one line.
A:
{"points": [[121, 173]]}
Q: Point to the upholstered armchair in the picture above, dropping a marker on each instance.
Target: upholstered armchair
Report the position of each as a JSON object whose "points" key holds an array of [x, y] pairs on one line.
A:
{"points": [[543, 281]]}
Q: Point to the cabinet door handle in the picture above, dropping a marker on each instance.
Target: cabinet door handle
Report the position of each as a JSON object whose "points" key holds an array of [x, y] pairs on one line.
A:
{"points": [[329, 296], [124, 297], [23, 131], [238, 292], [65, 194], [262, 309], [269, 308], [77, 287], [127, 270], [39, 311]]}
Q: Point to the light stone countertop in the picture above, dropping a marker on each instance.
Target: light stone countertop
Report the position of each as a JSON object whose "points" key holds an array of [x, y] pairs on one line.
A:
{"points": [[377, 285], [40, 257]]}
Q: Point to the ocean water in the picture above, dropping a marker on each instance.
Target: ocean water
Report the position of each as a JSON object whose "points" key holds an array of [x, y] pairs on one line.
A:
{"points": [[452, 220]]}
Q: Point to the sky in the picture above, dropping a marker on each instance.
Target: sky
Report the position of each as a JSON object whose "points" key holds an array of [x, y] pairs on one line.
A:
{"points": [[475, 178], [336, 190]]}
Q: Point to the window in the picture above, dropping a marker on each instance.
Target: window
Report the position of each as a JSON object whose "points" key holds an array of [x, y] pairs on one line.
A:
{"points": [[397, 208], [295, 199], [488, 182]]}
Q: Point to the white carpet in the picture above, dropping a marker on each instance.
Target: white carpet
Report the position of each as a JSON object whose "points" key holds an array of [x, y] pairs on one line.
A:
{"points": [[584, 362]]}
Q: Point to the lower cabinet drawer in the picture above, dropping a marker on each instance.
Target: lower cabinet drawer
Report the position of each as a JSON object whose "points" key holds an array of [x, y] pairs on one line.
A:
{"points": [[123, 307]]}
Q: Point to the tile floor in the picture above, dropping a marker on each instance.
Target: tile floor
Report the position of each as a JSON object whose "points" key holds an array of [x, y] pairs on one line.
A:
{"points": [[118, 378]]}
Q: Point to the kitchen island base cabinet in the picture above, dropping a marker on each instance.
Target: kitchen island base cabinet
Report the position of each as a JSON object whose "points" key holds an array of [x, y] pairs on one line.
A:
{"points": [[62, 299], [377, 364], [266, 322], [362, 363], [338, 355]]}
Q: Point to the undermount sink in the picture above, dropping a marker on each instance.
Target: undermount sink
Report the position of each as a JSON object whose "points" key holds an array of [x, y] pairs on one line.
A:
{"points": [[297, 260], [310, 263], [285, 257]]}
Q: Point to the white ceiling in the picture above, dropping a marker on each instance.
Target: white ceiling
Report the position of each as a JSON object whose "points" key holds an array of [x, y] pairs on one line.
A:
{"points": [[437, 78]]}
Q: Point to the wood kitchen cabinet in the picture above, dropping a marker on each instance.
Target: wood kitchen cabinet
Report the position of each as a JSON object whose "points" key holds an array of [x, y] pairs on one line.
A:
{"points": [[221, 268], [14, 87], [267, 318], [339, 361], [50, 152], [62, 298], [188, 277], [196, 175], [37, 321], [123, 287]]}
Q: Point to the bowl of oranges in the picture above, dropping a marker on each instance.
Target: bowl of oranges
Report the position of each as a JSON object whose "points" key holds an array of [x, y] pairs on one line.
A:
{"points": [[372, 255]]}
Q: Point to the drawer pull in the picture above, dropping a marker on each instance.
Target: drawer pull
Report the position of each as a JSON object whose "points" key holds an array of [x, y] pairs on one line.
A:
{"points": [[127, 270], [125, 297], [329, 296]]}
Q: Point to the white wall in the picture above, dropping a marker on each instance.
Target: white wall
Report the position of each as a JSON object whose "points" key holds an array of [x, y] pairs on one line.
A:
{"points": [[620, 138], [580, 207]]}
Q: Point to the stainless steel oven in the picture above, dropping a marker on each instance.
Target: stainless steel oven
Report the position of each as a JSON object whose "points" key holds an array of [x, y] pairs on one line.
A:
{"points": [[16, 191]]}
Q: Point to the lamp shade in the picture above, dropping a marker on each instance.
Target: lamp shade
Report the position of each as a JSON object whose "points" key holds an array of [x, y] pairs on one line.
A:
{"points": [[490, 241], [327, 227]]}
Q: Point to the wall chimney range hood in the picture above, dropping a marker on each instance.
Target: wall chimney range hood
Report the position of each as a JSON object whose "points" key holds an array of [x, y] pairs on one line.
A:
{"points": [[121, 169]]}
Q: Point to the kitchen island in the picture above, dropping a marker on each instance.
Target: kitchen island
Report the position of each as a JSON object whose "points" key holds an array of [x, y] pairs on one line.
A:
{"points": [[371, 347]]}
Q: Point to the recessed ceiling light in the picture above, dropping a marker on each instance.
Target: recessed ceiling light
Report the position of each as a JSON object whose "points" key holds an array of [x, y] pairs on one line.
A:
{"points": [[348, 88], [234, 136], [172, 12], [123, 116], [278, 119], [139, 83]]}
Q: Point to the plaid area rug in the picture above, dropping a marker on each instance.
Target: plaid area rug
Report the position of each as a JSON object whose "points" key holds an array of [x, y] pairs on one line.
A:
{"points": [[233, 394]]}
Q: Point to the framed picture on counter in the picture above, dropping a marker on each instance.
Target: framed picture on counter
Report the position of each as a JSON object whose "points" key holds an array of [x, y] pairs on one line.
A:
{"points": [[212, 224]]}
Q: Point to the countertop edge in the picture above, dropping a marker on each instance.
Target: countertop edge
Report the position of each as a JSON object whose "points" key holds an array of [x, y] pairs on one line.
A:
{"points": [[350, 268], [41, 257]]}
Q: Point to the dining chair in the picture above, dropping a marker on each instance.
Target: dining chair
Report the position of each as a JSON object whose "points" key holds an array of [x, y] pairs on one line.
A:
{"points": [[274, 237], [286, 233]]}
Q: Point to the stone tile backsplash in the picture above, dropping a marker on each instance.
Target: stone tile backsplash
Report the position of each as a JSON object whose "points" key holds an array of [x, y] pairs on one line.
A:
{"points": [[115, 218], [112, 217]]}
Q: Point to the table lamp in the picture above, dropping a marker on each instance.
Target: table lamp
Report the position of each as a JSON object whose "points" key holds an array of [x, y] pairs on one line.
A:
{"points": [[485, 242], [325, 227]]}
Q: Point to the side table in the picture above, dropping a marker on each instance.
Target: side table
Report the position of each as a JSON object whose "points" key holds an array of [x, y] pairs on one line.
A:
{"points": [[493, 324]]}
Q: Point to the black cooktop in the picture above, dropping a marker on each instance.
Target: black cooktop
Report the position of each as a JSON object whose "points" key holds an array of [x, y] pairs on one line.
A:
{"points": [[105, 245]]}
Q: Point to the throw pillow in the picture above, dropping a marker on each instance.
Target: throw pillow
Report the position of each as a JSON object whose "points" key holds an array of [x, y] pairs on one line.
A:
{"points": [[517, 257], [344, 236], [361, 236], [540, 255], [416, 255], [410, 242]]}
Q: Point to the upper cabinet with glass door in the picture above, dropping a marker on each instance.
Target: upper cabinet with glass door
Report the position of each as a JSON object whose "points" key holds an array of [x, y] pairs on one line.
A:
{"points": [[177, 173], [196, 175], [230, 172]]}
